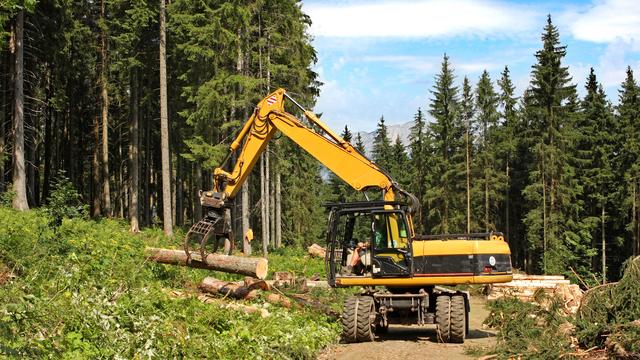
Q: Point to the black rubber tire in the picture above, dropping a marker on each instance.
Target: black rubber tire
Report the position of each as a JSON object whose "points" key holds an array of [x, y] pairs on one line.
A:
{"points": [[458, 319], [357, 319], [443, 318]]}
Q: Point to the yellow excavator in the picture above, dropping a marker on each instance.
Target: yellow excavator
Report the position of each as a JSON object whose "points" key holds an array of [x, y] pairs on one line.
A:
{"points": [[371, 244]]}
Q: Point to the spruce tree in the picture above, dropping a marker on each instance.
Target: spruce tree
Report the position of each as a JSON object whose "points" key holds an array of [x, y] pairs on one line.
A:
{"points": [[491, 181], [550, 193], [360, 144], [628, 114], [596, 153], [418, 164], [399, 164], [507, 147], [341, 191], [382, 145], [445, 193], [467, 114]]}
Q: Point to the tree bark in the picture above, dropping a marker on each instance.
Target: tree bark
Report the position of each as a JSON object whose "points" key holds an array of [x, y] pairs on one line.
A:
{"points": [[179, 188], [272, 206], [267, 194], [164, 128], [96, 206], [105, 112], [235, 289], [19, 174], [604, 246], [48, 140], [278, 214], [263, 209], [636, 219], [4, 115], [246, 248], [134, 154], [249, 266], [468, 173], [198, 183]]}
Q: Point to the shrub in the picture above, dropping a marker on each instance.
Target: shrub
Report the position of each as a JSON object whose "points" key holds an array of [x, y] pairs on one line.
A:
{"points": [[64, 201]]}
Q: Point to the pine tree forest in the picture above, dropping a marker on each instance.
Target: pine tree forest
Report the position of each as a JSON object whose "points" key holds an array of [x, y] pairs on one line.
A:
{"points": [[136, 102]]}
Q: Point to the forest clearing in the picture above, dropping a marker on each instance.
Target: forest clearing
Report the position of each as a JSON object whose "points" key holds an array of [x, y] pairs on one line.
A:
{"points": [[172, 185]]}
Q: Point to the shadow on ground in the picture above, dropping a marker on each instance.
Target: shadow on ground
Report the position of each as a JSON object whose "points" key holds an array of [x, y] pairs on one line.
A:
{"points": [[414, 333]]}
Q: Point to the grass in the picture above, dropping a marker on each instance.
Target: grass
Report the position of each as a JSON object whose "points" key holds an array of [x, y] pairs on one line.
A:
{"points": [[83, 290]]}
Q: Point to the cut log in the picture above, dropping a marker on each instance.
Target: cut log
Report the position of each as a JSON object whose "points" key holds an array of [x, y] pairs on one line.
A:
{"points": [[278, 299], [316, 250], [236, 290], [250, 266]]}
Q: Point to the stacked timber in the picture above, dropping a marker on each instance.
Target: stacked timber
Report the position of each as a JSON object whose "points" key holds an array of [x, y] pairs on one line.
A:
{"points": [[528, 288], [316, 250]]}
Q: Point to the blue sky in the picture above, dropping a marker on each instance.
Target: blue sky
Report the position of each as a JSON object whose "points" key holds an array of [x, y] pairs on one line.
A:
{"points": [[380, 57]]}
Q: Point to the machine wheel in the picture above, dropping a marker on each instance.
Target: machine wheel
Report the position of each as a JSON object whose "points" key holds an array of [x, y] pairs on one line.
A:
{"points": [[458, 319], [358, 318], [443, 318]]}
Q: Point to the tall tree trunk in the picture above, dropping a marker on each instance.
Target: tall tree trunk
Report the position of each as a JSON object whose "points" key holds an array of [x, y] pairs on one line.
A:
{"points": [[147, 170], [635, 222], [246, 248], [604, 245], [179, 188], [105, 112], [278, 211], [47, 139], [96, 204], [267, 193], [263, 208], [134, 154], [19, 175], [506, 203], [198, 184], [544, 219], [4, 115], [468, 173], [164, 128]]}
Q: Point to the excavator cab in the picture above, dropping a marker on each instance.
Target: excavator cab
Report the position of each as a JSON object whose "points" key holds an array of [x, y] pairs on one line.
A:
{"points": [[368, 239], [391, 250]]}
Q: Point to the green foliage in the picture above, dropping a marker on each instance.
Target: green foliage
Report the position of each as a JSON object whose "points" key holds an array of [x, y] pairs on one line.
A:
{"points": [[295, 260], [444, 197], [95, 296], [6, 198], [418, 147], [611, 311], [65, 202], [528, 330], [552, 190], [382, 145], [490, 181], [303, 200]]}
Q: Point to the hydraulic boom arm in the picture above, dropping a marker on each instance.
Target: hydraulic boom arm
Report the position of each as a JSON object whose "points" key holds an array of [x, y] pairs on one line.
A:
{"points": [[326, 146]]}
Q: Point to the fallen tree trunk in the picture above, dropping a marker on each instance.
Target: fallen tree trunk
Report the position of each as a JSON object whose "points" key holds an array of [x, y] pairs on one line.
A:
{"points": [[250, 266], [236, 290]]}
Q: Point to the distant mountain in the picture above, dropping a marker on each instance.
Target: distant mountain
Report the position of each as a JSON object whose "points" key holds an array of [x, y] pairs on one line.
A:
{"points": [[401, 130]]}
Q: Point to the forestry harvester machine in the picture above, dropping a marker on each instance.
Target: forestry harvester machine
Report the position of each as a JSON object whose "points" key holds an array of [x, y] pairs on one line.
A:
{"points": [[370, 244]]}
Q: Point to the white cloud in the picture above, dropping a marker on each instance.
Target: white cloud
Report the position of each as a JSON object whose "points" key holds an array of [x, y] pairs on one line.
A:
{"points": [[607, 21], [420, 64], [417, 19]]}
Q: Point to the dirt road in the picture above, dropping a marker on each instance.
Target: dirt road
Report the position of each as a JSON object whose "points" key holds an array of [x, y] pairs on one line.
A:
{"points": [[405, 342]]}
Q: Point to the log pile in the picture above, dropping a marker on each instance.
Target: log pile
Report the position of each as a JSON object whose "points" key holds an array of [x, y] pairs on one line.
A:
{"points": [[316, 250], [528, 287]]}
